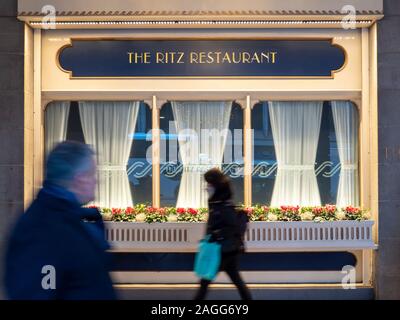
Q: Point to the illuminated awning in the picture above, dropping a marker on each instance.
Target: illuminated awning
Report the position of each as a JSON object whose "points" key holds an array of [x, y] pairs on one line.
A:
{"points": [[205, 13]]}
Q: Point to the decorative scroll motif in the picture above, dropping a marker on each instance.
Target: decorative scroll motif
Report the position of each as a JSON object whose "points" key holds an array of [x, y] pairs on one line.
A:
{"points": [[139, 169], [263, 169], [334, 169]]}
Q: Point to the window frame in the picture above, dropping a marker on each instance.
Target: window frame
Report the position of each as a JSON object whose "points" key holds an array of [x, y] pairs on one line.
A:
{"points": [[157, 101]]}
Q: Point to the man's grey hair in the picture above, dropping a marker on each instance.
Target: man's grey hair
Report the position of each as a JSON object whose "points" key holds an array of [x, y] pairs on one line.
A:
{"points": [[67, 159]]}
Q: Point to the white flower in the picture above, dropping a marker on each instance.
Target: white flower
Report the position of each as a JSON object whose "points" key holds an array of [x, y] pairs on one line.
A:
{"points": [[307, 216], [318, 219], [172, 218], [366, 215], [272, 217], [340, 215], [140, 217], [205, 217], [107, 216]]}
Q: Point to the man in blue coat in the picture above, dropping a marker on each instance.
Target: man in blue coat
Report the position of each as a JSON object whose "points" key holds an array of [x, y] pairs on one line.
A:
{"points": [[57, 249]]}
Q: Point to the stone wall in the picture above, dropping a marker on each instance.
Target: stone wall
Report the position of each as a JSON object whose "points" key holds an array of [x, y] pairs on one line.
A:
{"points": [[12, 120], [388, 256]]}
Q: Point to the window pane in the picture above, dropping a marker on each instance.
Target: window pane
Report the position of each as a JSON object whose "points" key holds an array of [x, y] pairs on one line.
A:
{"points": [[233, 164], [171, 165], [139, 166], [327, 163], [264, 159], [170, 162], [74, 131]]}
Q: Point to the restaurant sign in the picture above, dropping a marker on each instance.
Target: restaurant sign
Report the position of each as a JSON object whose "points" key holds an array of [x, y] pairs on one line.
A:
{"points": [[201, 58]]}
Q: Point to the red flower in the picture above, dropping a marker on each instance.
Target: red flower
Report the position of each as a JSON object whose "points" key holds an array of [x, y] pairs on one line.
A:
{"points": [[161, 211], [352, 210], [192, 211], [116, 211], [151, 209], [129, 210], [265, 208], [180, 210], [317, 211], [292, 208], [330, 208]]}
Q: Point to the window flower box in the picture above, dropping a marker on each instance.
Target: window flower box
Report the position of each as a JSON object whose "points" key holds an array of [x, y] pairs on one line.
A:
{"points": [[143, 213], [261, 236], [287, 228]]}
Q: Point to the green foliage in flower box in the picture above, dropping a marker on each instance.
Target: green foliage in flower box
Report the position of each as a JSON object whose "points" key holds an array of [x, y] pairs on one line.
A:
{"points": [[145, 213]]}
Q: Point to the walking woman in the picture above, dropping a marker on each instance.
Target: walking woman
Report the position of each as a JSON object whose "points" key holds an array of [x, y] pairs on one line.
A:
{"points": [[223, 226]]}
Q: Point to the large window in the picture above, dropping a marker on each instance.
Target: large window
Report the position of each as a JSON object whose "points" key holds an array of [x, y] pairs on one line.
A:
{"points": [[304, 152], [117, 132], [195, 137]]}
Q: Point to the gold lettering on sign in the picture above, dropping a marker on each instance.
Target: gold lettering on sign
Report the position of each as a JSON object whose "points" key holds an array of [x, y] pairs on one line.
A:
{"points": [[135, 57], [226, 57], [210, 58], [255, 57], [238, 57], [246, 57], [204, 57], [170, 57], [218, 55], [130, 56], [273, 56], [160, 58], [232, 57], [194, 57], [180, 57]]}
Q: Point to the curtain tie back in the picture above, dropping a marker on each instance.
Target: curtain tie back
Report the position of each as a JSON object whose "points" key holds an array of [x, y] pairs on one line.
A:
{"points": [[349, 166], [296, 167], [110, 168]]}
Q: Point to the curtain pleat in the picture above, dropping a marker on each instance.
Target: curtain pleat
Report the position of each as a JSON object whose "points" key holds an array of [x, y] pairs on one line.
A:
{"points": [[295, 128], [108, 126], [345, 119], [56, 124], [202, 129]]}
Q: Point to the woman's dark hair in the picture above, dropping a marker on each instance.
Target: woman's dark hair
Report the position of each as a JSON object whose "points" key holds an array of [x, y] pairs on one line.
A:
{"points": [[221, 183]]}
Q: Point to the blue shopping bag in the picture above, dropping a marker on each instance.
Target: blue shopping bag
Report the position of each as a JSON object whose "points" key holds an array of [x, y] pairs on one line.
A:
{"points": [[207, 259]]}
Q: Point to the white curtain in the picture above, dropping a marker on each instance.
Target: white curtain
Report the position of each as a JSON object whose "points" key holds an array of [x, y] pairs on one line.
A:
{"points": [[108, 126], [345, 118], [56, 124], [202, 129], [295, 128]]}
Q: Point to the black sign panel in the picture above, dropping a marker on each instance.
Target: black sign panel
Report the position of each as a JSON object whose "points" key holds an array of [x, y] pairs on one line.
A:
{"points": [[201, 58]]}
